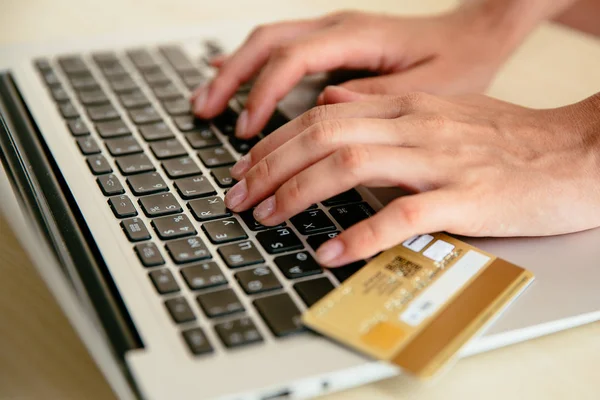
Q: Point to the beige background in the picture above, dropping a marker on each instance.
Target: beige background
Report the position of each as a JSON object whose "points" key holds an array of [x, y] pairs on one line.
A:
{"points": [[42, 358]]}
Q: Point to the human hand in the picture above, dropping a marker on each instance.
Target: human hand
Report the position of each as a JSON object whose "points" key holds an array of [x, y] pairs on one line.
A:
{"points": [[478, 167]]}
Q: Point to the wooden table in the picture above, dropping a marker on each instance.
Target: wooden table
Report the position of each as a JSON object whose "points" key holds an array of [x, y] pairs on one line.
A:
{"points": [[40, 355]]}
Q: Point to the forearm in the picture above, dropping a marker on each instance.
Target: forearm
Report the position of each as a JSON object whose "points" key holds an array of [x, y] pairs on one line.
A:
{"points": [[582, 15]]}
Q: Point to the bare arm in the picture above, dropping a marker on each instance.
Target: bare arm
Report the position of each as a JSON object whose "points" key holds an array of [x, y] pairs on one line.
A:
{"points": [[583, 15]]}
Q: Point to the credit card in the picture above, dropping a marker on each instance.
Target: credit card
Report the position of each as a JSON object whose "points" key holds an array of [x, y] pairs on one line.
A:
{"points": [[417, 304]]}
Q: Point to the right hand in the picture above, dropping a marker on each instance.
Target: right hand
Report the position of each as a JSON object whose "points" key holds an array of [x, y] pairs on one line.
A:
{"points": [[451, 53]]}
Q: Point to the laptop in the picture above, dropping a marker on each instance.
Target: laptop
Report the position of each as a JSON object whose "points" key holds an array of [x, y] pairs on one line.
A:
{"points": [[116, 192]]}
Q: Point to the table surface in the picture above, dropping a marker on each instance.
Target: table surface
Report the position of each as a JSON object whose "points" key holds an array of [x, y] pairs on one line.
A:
{"points": [[40, 354]]}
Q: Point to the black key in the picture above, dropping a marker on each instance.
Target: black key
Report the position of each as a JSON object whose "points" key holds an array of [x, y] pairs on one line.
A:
{"points": [[134, 164], [202, 139], [279, 240], [43, 65], [142, 59], [67, 110], [167, 149], [173, 226], [147, 183], [203, 276], [88, 145], [239, 332], [349, 196], [93, 97], [157, 131], [187, 250], [110, 185], [155, 76], [123, 146], [345, 272], [223, 177], [208, 208], [258, 280], [83, 82], [224, 230], [122, 84], [135, 229], [188, 123], [177, 107], [194, 187], [237, 255], [197, 341], [349, 215], [110, 129], [78, 127], [98, 165], [220, 302], [166, 92], [180, 167], [50, 78], [225, 122], [317, 240], [104, 57], [312, 221], [242, 146], [313, 290], [149, 254], [59, 94], [113, 69], [163, 281], [276, 121], [216, 157], [102, 113], [298, 265], [180, 310], [177, 58], [122, 206], [159, 204], [280, 313], [146, 115], [253, 224], [312, 207], [135, 99], [73, 65]]}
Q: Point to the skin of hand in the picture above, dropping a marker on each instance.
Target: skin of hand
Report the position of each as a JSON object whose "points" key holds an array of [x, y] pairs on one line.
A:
{"points": [[451, 53], [476, 166]]}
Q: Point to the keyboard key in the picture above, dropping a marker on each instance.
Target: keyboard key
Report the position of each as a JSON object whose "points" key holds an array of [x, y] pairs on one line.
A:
{"points": [[349, 196], [102, 113], [83, 82], [312, 221], [223, 177], [237, 333], [346, 271], [208, 208], [166, 92], [203, 276], [157, 131], [237, 255], [313, 290], [216, 157], [135, 99], [134, 164], [50, 78], [147, 183], [258, 280], [67, 110], [113, 70], [123, 146], [155, 76], [110, 185], [194, 187], [149, 254], [122, 83], [188, 123], [298, 265], [98, 165], [122, 206], [87, 145], [110, 129], [93, 97], [142, 59], [173, 227], [104, 57], [220, 302], [349, 215], [191, 80], [72, 65], [146, 115], [163, 281], [279, 240], [280, 313], [202, 139], [180, 167], [159, 204], [242, 146], [253, 224], [226, 121], [177, 58], [59, 94], [196, 341], [180, 310], [43, 65], [224, 230], [316, 241], [276, 121], [187, 250], [168, 149], [135, 229], [177, 106]]}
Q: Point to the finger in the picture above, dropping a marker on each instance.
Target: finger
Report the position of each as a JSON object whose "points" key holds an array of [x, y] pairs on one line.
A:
{"points": [[339, 94], [350, 166], [421, 78], [218, 60], [433, 211]]}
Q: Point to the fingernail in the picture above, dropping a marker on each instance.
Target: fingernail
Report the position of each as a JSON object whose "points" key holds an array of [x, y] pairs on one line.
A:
{"points": [[242, 121], [200, 100], [241, 167], [329, 251], [265, 209], [237, 194]]}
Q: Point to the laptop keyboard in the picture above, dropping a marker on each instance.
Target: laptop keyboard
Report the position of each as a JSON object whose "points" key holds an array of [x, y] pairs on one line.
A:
{"points": [[129, 114]]}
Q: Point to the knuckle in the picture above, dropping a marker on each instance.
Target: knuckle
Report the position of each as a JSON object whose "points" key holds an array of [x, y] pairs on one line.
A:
{"points": [[284, 52], [412, 100], [314, 116], [291, 193], [436, 122], [259, 32], [324, 134], [352, 158], [409, 212], [261, 171]]}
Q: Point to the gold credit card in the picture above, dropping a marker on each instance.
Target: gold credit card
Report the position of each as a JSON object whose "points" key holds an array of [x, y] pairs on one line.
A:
{"points": [[418, 303]]}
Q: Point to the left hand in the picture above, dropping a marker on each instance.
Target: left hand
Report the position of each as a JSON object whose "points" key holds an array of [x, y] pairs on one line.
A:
{"points": [[478, 167]]}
